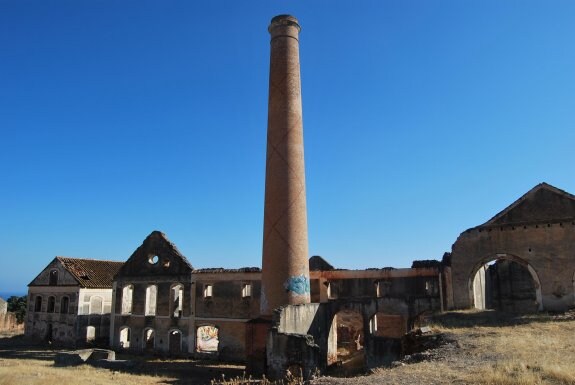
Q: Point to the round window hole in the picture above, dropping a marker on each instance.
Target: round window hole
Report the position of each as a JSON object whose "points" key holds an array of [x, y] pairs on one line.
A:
{"points": [[153, 259]]}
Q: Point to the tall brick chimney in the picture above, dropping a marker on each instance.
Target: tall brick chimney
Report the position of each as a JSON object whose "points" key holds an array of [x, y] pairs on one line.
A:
{"points": [[285, 267]]}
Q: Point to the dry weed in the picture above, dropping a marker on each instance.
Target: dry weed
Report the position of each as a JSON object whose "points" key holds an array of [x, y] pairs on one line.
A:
{"points": [[36, 372]]}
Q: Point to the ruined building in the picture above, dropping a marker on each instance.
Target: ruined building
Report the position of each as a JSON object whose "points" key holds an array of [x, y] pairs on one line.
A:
{"points": [[535, 235], [300, 313], [70, 301]]}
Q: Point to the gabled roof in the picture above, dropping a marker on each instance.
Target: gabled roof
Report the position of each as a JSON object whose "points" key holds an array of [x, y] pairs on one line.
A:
{"points": [[91, 273], [155, 256], [222, 270], [317, 263], [87, 273], [543, 203]]}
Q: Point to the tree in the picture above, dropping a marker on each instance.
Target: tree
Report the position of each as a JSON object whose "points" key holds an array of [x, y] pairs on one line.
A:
{"points": [[17, 305]]}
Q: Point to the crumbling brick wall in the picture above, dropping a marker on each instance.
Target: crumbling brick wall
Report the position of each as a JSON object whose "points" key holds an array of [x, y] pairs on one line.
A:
{"points": [[8, 323]]}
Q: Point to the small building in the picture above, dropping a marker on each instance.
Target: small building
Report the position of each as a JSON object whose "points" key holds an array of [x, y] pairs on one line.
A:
{"points": [[522, 259], [70, 302], [3, 306]]}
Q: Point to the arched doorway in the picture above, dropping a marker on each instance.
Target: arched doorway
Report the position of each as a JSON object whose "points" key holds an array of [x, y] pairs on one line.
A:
{"points": [[175, 342], [49, 333], [505, 282], [207, 339], [346, 342], [125, 337], [149, 339]]}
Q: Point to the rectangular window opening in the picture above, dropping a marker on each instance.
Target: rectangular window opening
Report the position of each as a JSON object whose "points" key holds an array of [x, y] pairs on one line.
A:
{"points": [[208, 291]]}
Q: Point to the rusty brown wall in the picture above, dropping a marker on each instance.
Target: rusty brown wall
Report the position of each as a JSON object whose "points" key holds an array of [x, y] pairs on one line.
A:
{"points": [[548, 248]]}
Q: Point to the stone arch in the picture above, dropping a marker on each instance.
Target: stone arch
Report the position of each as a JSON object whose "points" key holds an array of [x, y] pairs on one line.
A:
{"points": [[125, 337], [175, 341], [346, 338], [148, 339], [482, 262]]}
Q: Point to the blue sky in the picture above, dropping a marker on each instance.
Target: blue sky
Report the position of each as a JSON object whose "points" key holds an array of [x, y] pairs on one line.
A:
{"points": [[421, 119]]}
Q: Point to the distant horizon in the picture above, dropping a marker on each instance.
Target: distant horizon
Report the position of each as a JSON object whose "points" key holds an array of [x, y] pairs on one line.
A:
{"points": [[7, 294]]}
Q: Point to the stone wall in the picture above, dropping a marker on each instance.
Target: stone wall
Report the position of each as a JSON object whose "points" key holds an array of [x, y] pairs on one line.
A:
{"points": [[548, 248], [9, 324]]}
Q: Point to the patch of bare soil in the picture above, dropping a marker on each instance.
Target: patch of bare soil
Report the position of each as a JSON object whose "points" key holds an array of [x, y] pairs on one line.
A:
{"points": [[25, 361]]}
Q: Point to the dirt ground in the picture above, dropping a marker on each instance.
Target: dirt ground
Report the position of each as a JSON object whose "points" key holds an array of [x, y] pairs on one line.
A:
{"points": [[487, 348], [16, 351], [490, 348]]}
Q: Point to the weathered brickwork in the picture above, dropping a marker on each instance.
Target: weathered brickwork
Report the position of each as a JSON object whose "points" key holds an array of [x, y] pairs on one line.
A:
{"points": [[538, 233], [70, 302]]}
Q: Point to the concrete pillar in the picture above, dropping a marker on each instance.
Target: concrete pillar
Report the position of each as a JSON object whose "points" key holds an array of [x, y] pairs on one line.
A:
{"points": [[285, 267]]}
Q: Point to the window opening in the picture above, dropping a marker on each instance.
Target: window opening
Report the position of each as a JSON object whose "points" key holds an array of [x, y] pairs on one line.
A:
{"points": [[38, 304], [125, 337], [51, 304], [53, 277], [151, 295], [90, 334], [207, 339], [64, 304], [177, 300], [246, 290], [96, 305], [127, 294], [208, 291]]}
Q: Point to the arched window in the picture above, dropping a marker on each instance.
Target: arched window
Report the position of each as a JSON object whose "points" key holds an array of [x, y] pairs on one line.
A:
{"points": [[125, 337], [177, 300], [96, 305], [207, 339], [38, 303], [149, 337], [151, 294], [53, 277], [51, 304], [127, 293], [64, 305], [90, 334]]}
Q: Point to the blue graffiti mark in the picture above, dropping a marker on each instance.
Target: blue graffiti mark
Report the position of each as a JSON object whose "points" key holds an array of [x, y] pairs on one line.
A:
{"points": [[299, 284]]}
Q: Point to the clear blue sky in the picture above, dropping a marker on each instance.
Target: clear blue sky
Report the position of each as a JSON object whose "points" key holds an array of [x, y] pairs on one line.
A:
{"points": [[421, 119]]}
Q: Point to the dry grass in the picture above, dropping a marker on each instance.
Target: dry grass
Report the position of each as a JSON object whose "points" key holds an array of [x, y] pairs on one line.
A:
{"points": [[37, 372], [525, 350], [489, 348]]}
